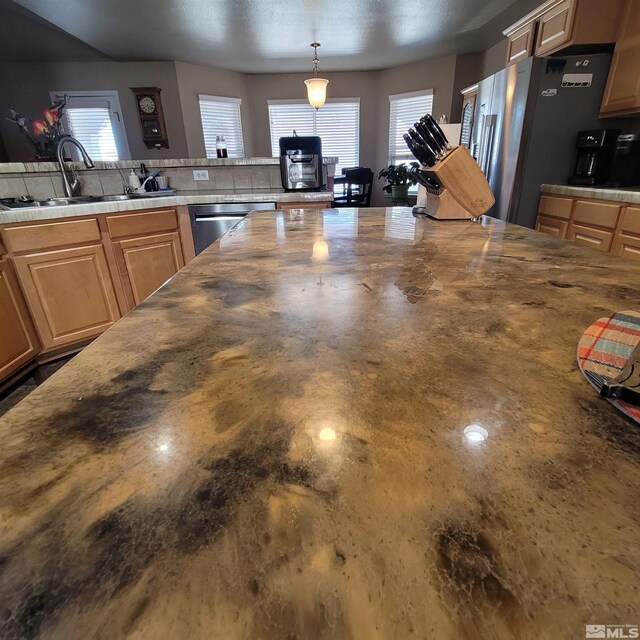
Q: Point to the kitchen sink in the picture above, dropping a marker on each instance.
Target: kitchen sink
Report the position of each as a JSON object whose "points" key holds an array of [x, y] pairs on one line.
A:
{"points": [[13, 203]]}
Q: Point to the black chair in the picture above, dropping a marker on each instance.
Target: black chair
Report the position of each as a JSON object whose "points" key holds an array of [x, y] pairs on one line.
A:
{"points": [[356, 189]]}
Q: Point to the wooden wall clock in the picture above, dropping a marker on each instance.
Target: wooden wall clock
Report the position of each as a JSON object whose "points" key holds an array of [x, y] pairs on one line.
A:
{"points": [[154, 130]]}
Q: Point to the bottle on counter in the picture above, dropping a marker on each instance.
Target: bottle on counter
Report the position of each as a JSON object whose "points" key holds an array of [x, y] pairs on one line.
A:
{"points": [[221, 147], [134, 180], [150, 185]]}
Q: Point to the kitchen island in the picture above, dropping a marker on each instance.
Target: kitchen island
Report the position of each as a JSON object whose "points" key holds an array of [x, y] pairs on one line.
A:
{"points": [[276, 444]]}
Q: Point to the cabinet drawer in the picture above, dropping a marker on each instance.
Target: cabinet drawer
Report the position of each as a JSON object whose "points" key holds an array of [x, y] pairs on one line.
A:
{"points": [[599, 214], [631, 220], [590, 237], [520, 43], [555, 26], [49, 235], [552, 226], [626, 246], [555, 206], [137, 224]]}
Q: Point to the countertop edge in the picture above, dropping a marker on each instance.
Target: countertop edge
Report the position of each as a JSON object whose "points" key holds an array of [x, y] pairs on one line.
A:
{"points": [[14, 216], [614, 195]]}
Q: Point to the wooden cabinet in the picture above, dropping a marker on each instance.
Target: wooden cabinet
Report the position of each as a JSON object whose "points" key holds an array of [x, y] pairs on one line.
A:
{"points": [[147, 262], [563, 25], [626, 242], [556, 206], [590, 236], [552, 226], [69, 293], [147, 251], [622, 93], [555, 26], [64, 281], [603, 225], [596, 213], [521, 42], [18, 342]]}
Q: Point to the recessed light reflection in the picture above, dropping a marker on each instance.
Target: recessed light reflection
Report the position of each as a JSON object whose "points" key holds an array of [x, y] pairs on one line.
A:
{"points": [[475, 434], [327, 434]]}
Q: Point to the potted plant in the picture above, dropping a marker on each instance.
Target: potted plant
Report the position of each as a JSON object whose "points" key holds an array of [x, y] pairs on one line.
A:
{"points": [[398, 180]]}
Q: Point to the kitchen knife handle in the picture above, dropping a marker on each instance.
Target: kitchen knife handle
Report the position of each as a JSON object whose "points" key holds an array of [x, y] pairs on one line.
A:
{"points": [[427, 149], [437, 132], [415, 150], [423, 131]]}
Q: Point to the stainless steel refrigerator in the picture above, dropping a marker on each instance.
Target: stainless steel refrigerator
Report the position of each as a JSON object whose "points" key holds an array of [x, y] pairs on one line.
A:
{"points": [[527, 117]]}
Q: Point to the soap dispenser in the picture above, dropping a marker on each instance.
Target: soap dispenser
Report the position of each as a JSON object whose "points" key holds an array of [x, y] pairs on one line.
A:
{"points": [[134, 180]]}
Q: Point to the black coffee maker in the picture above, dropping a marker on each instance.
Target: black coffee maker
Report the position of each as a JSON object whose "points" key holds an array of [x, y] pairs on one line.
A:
{"points": [[625, 171], [596, 149]]}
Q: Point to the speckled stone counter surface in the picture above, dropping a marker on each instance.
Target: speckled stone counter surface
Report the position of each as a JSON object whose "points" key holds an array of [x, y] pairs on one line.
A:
{"points": [[178, 198], [630, 195], [272, 446]]}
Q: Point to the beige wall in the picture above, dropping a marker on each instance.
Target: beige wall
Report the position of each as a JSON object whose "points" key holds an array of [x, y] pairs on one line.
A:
{"points": [[26, 87], [437, 74], [494, 59], [289, 86], [194, 80]]}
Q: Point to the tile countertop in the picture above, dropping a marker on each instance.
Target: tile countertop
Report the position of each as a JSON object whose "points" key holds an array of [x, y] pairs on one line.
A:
{"points": [[37, 166], [272, 446], [178, 198], [630, 195]]}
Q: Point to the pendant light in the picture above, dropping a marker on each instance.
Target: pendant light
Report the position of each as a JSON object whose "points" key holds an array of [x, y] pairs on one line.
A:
{"points": [[316, 87]]}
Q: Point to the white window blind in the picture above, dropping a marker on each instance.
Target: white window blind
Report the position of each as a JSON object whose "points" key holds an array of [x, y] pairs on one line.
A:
{"points": [[337, 123], [94, 119], [221, 117], [405, 110]]}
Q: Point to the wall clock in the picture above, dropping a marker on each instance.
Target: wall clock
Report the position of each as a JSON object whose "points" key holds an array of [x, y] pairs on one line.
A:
{"points": [[154, 130]]}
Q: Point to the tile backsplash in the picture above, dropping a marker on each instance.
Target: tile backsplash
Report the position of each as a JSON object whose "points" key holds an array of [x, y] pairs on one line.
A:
{"points": [[42, 180]]}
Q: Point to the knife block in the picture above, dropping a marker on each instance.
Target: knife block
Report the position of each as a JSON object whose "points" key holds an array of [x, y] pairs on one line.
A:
{"points": [[468, 194], [440, 205]]}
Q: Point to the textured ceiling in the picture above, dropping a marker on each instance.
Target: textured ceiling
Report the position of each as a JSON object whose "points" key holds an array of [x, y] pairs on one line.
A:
{"points": [[274, 35]]}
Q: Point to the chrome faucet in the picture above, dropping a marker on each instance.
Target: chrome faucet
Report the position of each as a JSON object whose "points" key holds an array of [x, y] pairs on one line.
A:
{"points": [[70, 188]]}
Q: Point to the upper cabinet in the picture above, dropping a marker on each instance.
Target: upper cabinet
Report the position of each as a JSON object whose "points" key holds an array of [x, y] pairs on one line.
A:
{"points": [[563, 26], [520, 44], [622, 93]]}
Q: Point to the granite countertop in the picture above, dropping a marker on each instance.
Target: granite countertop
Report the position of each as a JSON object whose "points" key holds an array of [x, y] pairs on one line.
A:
{"points": [[271, 446], [629, 195], [202, 196]]}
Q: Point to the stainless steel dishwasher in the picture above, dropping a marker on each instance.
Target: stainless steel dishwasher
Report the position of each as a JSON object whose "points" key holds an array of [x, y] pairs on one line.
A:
{"points": [[211, 221]]}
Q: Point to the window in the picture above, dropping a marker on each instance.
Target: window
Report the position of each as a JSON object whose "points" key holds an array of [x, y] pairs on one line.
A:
{"points": [[337, 123], [93, 118], [405, 109], [221, 117], [468, 108]]}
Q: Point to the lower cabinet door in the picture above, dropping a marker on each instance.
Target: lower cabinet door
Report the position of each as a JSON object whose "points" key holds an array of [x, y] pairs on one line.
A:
{"points": [[552, 226], [590, 237], [626, 246], [147, 263], [69, 292], [18, 342]]}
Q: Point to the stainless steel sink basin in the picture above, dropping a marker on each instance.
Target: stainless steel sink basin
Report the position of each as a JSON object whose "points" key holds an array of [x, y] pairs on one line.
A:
{"points": [[10, 203]]}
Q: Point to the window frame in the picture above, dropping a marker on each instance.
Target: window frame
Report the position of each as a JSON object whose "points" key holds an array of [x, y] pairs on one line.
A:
{"points": [[205, 97], [275, 151], [117, 119], [396, 97]]}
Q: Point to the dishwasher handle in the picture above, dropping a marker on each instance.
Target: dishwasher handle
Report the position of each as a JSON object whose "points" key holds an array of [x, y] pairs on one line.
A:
{"points": [[219, 218]]}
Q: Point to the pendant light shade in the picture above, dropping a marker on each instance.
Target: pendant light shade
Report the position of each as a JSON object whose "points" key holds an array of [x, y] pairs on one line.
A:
{"points": [[316, 91], [316, 87]]}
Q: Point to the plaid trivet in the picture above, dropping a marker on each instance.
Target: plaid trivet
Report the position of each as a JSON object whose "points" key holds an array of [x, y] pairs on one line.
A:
{"points": [[604, 349]]}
